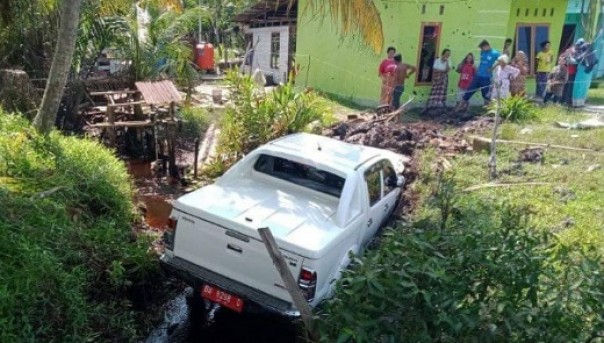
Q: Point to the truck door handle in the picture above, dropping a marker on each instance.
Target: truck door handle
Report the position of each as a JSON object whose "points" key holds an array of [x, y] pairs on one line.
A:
{"points": [[370, 222], [234, 248]]}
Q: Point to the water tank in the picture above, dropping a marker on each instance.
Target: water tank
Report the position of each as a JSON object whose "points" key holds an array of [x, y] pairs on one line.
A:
{"points": [[204, 56]]}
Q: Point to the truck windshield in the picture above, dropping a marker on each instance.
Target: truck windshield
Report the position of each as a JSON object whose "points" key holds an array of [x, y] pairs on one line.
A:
{"points": [[300, 174]]}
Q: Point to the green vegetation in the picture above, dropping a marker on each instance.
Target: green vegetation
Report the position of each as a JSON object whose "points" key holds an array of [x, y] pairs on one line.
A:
{"points": [[257, 116], [196, 122], [68, 257], [520, 263], [515, 109], [596, 95]]}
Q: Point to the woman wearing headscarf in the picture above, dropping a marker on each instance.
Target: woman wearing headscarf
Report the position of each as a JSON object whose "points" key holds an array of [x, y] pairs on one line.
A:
{"points": [[586, 61], [518, 84], [569, 57], [504, 74]]}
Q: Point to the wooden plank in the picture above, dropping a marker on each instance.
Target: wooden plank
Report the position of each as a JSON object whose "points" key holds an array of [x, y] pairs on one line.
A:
{"points": [[113, 92], [287, 277], [481, 143], [146, 123], [123, 104], [122, 124]]}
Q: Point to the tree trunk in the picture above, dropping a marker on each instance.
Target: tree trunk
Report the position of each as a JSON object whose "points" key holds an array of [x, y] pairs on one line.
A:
{"points": [[61, 64]]}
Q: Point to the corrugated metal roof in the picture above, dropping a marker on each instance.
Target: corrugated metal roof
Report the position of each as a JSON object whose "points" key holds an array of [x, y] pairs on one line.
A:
{"points": [[159, 93], [268, 10]]}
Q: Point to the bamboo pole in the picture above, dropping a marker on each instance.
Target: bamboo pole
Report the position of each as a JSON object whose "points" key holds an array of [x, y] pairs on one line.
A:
{"points": [[287, 277]]}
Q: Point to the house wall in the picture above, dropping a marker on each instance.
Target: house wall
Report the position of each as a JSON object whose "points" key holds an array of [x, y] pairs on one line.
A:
{"points": [[262, 54], [346, 67], [535, 15]]}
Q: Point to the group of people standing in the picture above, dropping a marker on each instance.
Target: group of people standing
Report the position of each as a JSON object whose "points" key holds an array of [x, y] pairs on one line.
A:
{"points": [[497, 75]]}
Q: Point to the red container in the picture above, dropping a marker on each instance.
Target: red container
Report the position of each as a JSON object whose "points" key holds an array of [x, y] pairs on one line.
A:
{"points": [[204, 56]]}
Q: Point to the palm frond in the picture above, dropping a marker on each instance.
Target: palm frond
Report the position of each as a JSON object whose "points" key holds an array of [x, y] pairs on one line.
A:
{"points": [[354, 17]]}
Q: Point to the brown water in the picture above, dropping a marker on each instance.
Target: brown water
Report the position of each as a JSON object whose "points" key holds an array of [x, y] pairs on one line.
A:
{"points": [[158, 210]]}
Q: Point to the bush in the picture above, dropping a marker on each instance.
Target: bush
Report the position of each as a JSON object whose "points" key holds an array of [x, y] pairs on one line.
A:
{"points": [[256, 117], [488, 277], [515, 109], [68, 254]]}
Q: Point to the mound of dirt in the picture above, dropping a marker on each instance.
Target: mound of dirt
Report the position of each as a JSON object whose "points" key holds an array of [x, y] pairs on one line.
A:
{"points": [[400, 138]]}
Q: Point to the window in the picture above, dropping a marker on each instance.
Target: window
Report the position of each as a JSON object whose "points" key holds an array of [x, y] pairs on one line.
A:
{"points": [[389, 177], [373, 178], [528, 39], [275, 49], [429, 42], [300, 174]]}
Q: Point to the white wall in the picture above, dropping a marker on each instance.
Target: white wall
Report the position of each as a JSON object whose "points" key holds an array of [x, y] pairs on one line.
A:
{"points": [[262, 55]]}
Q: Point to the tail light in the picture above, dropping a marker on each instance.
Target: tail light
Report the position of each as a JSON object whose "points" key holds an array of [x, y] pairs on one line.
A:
{"points": [[170, 233], [308, 283]]}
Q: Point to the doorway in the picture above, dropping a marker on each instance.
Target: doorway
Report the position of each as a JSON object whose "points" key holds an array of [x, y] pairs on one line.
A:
{"points": [[568, 37]]}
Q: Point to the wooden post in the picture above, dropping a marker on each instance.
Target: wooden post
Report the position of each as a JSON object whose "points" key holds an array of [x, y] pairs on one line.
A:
{"points": [[171, 129], [288, 279], [112, 130], [492, 165]]}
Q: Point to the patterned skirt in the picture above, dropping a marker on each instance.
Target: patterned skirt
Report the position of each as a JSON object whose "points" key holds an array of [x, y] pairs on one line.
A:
{"points": [[387, 89], [438, 94]]}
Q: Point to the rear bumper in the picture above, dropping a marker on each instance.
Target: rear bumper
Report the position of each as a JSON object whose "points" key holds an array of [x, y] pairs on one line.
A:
{"points": [[196, 276]]}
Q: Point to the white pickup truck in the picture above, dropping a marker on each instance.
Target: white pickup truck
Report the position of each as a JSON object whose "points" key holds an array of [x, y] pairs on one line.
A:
{"points": [[322, 199]]}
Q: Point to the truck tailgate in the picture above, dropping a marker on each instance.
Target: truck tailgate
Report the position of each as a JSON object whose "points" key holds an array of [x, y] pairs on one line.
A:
{"points": [[232, 254]]}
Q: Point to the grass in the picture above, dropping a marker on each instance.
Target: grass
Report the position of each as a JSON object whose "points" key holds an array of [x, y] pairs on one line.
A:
{"points": [[68, 257], [497, 264], [571, 202], [596, 95]]}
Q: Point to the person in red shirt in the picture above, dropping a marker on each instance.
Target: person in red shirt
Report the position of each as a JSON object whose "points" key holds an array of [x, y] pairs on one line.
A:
{"points": [[385, 73], [466, 70]]}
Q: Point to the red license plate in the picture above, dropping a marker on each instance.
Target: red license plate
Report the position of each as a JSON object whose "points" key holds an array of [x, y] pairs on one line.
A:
{"points": [[223, 298]]}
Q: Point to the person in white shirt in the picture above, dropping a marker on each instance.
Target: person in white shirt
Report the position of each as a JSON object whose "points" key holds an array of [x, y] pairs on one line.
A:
{"points": [[504, 73], [440, 81]]}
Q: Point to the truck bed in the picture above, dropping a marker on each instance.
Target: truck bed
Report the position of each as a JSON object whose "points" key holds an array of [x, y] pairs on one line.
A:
{"points": [[301, 222]]}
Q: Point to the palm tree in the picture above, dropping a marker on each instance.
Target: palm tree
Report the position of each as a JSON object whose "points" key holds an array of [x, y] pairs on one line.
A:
{"points": [[590, 19], [354, 16], [61, 64]]}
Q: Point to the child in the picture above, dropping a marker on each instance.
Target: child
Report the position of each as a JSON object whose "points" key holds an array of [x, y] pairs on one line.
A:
{"points": [[467, 70], [504, 73], [545, 59], [555, 83]]}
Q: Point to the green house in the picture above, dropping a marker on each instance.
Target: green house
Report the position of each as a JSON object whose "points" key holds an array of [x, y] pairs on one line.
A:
{"points": [[420, 29]]}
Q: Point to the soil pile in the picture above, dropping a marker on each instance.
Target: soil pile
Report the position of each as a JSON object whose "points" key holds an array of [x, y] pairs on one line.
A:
{"points": [[400, 138]]}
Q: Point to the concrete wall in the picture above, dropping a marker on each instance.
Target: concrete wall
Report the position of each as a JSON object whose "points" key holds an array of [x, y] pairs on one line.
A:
{"points": [[348, 68], [262, 54]]}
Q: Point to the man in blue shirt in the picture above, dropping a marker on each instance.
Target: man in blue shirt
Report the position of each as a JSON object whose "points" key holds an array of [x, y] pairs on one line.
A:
{"points": [[482, 79]]}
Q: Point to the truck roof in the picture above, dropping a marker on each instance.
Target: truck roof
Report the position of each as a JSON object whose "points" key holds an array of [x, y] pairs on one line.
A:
{"points": [[337, 154]]}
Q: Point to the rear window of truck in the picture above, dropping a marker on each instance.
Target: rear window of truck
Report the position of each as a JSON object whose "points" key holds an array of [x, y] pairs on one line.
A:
{"points": [[300, 174]]}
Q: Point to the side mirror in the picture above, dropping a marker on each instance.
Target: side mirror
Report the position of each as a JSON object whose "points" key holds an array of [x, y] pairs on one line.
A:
{"points": [[400, 181], [396, 181]]}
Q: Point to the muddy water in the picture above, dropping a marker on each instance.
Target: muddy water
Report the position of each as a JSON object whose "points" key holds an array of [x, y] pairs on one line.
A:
{"points": [[220, 326], [157, 210]]}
